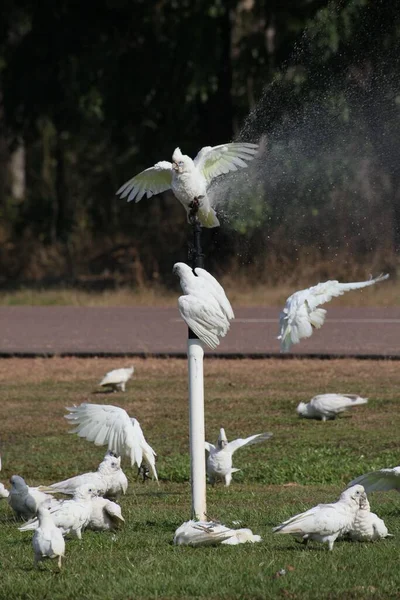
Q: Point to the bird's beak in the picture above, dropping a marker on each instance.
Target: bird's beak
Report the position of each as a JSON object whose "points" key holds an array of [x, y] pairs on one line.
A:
{"points": [[175, 166]]}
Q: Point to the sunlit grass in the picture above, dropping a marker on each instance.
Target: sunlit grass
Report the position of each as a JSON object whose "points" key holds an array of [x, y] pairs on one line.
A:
{"points": [[304, 463]]}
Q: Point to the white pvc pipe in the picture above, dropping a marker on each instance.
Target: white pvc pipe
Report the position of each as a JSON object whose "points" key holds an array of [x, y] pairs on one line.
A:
{"points": [[196, 429]]}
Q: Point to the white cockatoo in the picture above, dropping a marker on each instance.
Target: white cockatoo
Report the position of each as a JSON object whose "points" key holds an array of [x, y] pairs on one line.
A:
{"points": [[25, 500], [4, 493], [111, 425], [189, 179], [219, 461], [105, 515], [367, 526], [47, 541], [328, 406], [204, 306], [383, 480], [70, 516], [117, 379], [109, 480], [208, 533], [326, 522], [301, 312]]}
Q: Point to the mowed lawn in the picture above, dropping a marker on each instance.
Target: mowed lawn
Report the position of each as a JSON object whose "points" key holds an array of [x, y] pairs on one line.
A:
{"points": [[306, 462]]}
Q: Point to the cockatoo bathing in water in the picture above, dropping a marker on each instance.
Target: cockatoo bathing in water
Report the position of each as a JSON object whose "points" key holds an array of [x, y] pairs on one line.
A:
{"points": [[367, 526], [326, 522], [47, 541], [208, 533], [301, 312], [189, 179], [382, 480], [117, 379], [111, 425], [219, 461], [204, 306], [328, 406]]}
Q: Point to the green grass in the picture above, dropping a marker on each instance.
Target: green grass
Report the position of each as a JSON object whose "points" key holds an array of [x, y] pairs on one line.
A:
{"points": [[305, 462]]}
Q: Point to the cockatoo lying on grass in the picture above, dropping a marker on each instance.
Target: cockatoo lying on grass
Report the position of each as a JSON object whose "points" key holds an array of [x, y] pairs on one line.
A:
{"points": [[204, 306], [47, 541], [326, 522], [207, 533], [70, 516], [219, 461], [109, 480], [301, 312], [189, 179], [117, 379], [328, 406], [367, 527], [382, 480], [111, 425], [105, 515]]}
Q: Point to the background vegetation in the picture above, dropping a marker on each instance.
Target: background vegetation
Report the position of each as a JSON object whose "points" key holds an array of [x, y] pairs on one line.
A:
{"points": [[92, 94]]}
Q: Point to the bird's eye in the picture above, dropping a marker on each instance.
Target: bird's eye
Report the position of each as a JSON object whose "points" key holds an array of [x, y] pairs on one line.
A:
{"points": [[180, 163]]}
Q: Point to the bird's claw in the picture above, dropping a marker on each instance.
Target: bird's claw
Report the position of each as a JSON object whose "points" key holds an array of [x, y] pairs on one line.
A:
{"points": [[144, 472]]}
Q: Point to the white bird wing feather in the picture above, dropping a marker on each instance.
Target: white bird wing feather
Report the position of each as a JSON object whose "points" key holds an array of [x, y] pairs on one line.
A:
{"points": [[382, 480], [113, 510], [153, 180], [324, 292], [208, 323], [145, 449], [217, 291], [334, 403], [323, 518], [218, 160], [209, 447], [202, 533], [253, 439]]}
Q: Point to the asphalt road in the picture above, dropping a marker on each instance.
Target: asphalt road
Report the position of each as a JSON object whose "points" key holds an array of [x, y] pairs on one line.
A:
{"points": [[140, 331]]}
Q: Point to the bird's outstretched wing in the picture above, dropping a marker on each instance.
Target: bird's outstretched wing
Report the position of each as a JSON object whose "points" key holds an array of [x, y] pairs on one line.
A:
{"points": [[253, 439], [153, 180], [383, 480], [216, 290], [209, 447], [217, 160], [324, 292]]}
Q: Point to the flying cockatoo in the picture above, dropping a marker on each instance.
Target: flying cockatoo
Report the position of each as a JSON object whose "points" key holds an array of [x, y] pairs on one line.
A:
{"points": [[189, 179], [328, 406], [219, 461], [25, 500], [204, 306], [47, 541], [70, 516], [382, 480], [117, 379], [109, 480], [111, 425], [301, 312], [105, 515], [326, 522], [367, 526], [208, 533]]}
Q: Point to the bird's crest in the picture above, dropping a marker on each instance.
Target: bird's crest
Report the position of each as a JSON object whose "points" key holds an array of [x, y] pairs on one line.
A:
{"points": [[177, 155]]}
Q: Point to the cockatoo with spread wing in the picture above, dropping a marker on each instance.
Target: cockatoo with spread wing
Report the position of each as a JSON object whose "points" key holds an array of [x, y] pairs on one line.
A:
{"points": [[47, 541], [328, 406], [105, 515], [326, 522], [111, 425], [189, 179], [25, 500], [117, 379], [109, 480], [70, 516], [219, 461], [367, 526], [204, 306], [301, 313], [208, 533], [382, 480]]}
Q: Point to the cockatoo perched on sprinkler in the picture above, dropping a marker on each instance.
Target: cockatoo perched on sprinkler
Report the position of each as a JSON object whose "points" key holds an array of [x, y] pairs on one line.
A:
{"points": [[219, 461], [328, 406], [301, 313], [189, 179]]}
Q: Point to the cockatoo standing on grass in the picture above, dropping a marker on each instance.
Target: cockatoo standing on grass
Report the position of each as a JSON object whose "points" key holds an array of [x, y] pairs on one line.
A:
{"points": [[117, 379], [111, 425], [47, 541], [189, 179], [301, 312], [219, 461], [326, 522], [204, 306], [328, 406]]}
